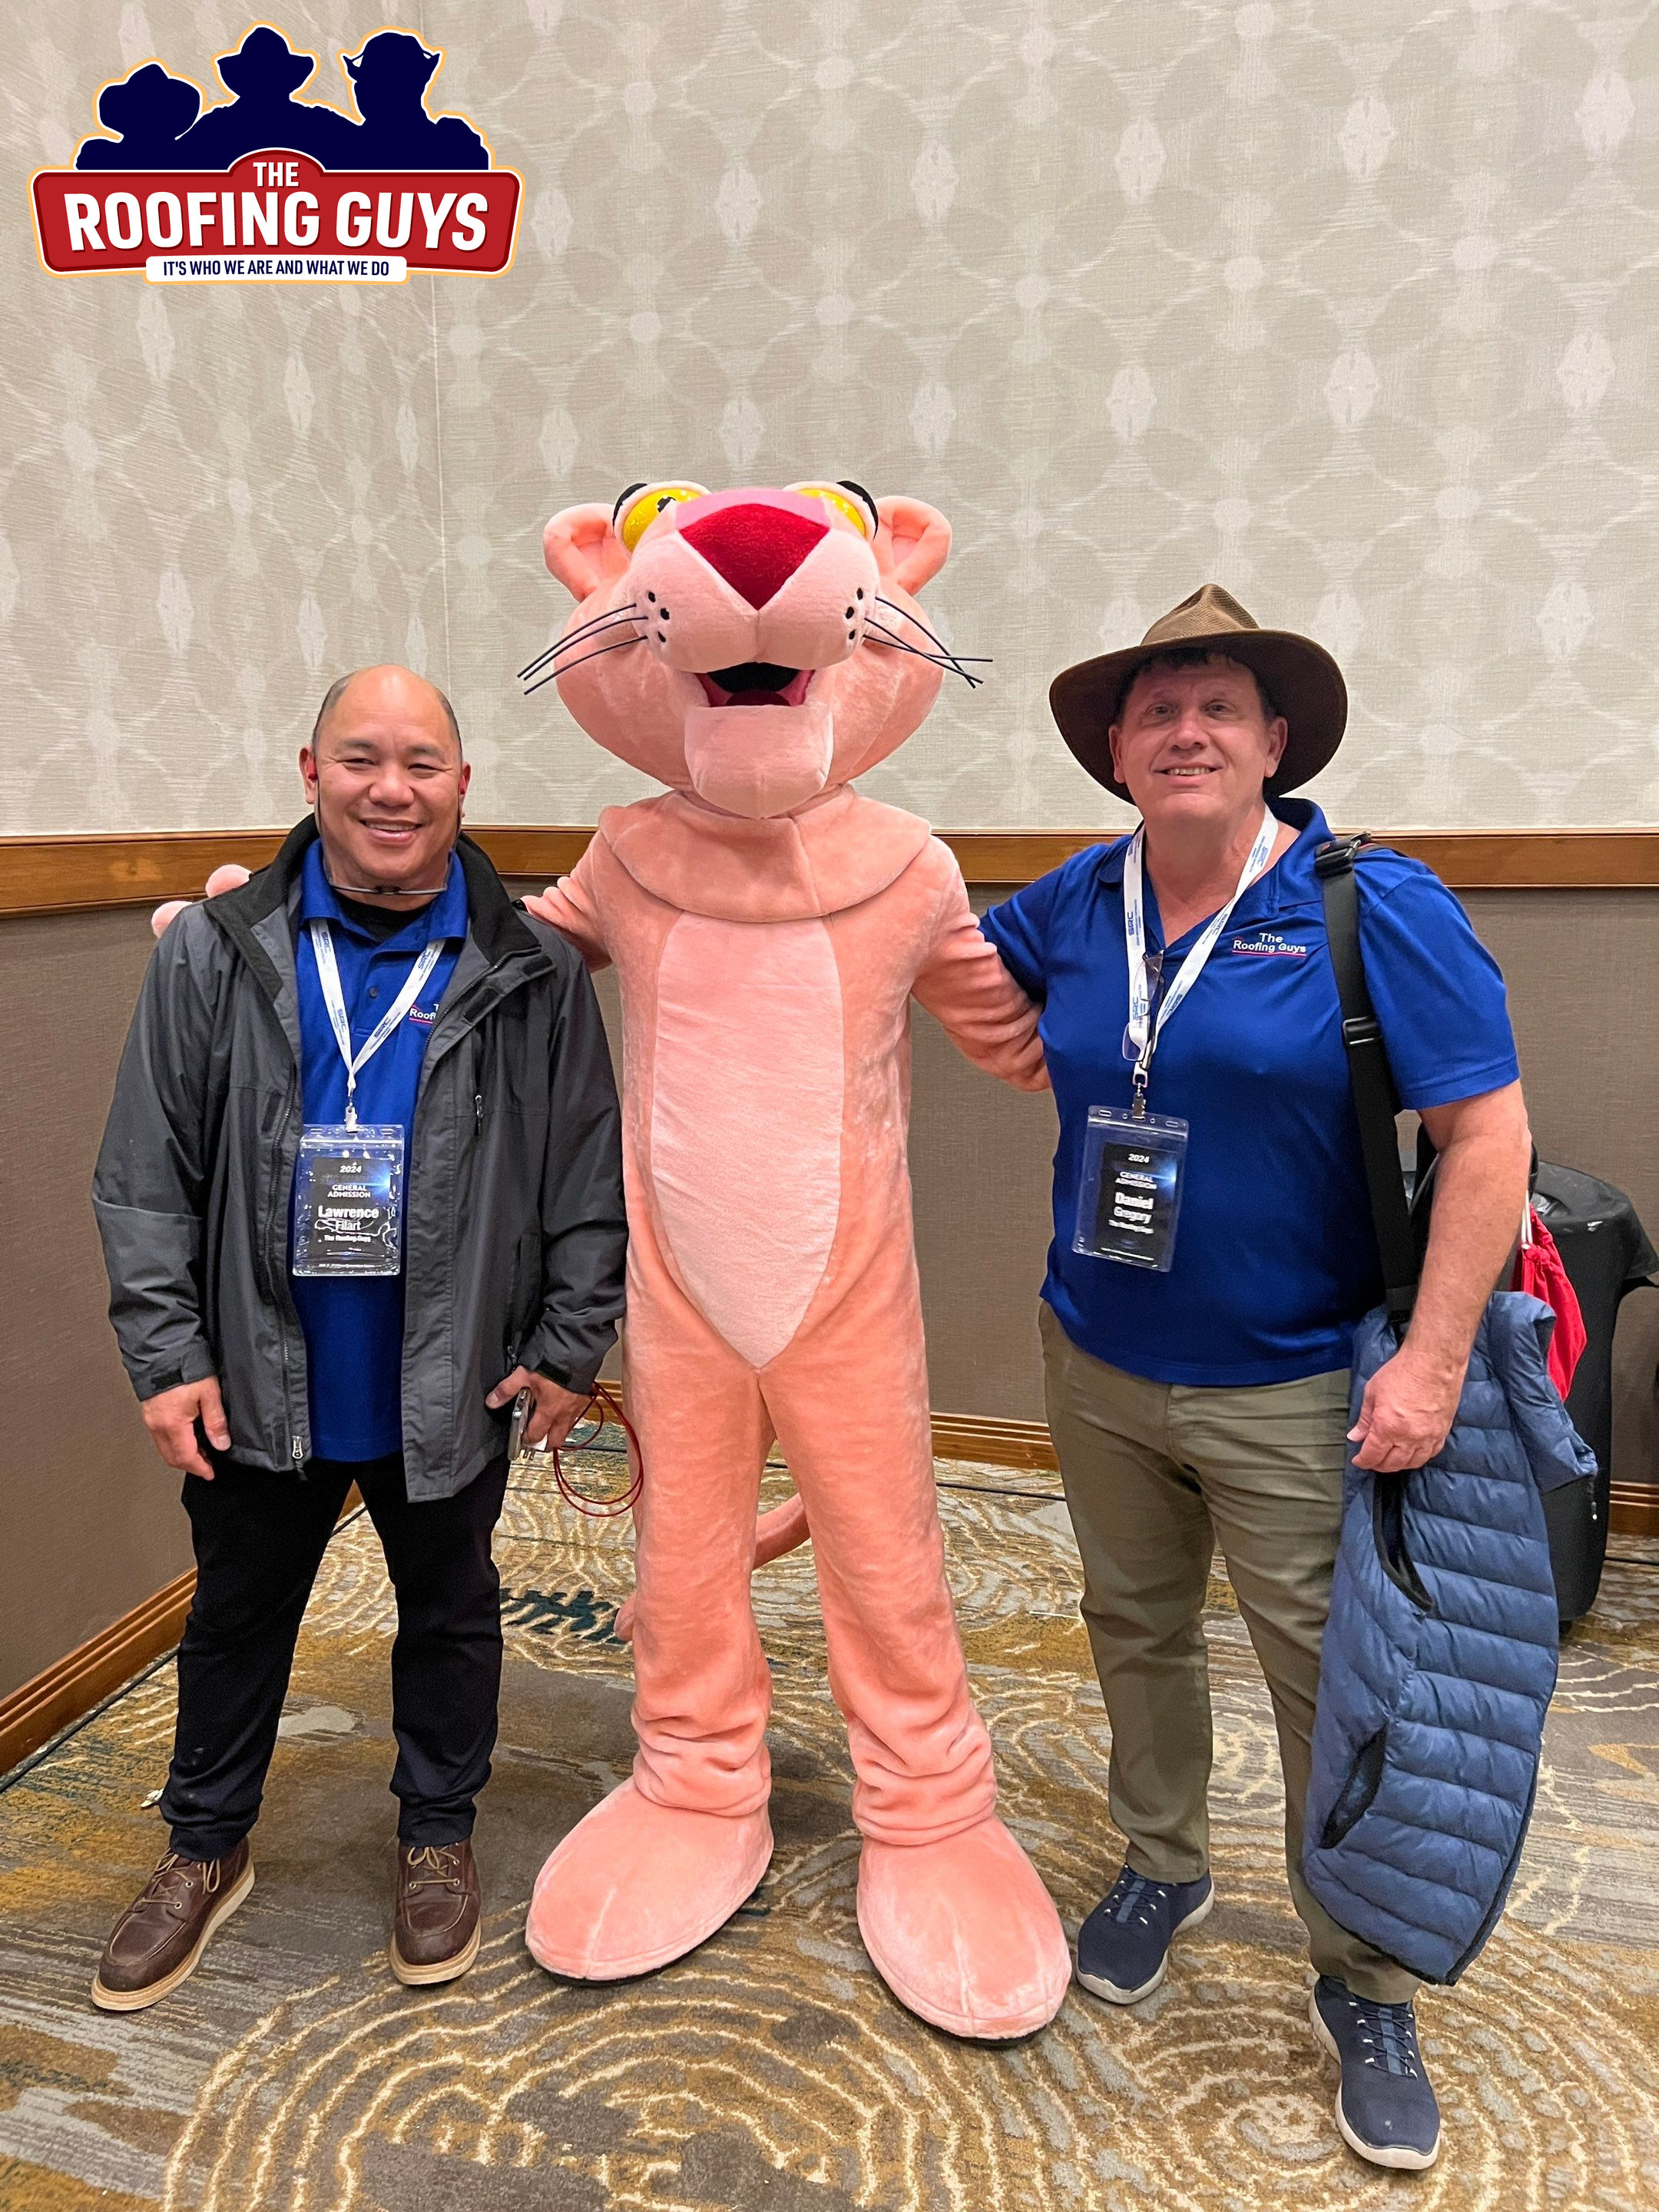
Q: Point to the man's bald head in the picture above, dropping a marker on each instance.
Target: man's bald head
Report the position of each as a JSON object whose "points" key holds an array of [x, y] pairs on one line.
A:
{"points": [[387, 685], [386, 774]]}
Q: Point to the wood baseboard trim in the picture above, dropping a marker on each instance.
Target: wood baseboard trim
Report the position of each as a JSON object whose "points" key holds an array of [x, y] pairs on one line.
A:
{"points": [[1633, 1508], [1467, 859], [76, 874], [998, 1442], [66, 1692]]}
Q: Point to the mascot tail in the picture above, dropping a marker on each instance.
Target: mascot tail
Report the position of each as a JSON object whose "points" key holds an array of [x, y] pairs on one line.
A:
{"points": [[783, 1529], [780, 1530]]}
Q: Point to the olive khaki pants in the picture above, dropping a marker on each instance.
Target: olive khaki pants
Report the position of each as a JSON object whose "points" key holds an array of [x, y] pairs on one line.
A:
{"points": [[1155, 1476]]}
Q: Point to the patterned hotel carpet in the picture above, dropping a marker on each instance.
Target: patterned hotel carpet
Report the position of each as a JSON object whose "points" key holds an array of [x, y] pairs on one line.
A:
{"points": [[293, 2075]]}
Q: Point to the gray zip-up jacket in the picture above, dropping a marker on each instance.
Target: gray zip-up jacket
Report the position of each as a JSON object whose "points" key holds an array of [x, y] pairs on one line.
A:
{"points": [[514, 1233]]}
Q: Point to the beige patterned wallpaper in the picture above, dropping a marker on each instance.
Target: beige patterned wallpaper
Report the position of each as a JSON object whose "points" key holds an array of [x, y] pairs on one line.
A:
{"points": [[1351, 306]]}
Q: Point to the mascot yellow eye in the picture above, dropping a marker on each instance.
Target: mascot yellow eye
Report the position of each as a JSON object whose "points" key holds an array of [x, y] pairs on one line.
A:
{"points": [[846, 498], [641, 504]]}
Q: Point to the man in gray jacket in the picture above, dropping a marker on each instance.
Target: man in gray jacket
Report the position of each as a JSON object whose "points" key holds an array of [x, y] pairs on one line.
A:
{"points": [[359, 1190]]}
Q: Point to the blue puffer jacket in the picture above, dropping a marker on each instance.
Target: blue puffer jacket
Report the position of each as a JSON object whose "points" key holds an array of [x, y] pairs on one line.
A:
{"points": [[1439, 1659]]}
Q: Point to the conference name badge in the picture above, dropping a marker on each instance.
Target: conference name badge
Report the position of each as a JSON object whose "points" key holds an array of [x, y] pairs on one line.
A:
{"points": [[1130, 1199], [348, 1180], [1133, 1161], [349, 1199]]}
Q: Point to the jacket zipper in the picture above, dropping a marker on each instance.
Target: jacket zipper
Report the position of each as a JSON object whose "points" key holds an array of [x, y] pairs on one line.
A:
{"points": [[1401, 1572], [288, 1314], [472, 1021]]}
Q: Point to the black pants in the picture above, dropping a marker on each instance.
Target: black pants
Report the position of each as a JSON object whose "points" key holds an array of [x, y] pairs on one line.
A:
{"points": [[259, 1540]]}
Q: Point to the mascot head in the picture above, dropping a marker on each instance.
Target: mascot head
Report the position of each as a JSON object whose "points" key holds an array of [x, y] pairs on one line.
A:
{"points": [[752, 647]]}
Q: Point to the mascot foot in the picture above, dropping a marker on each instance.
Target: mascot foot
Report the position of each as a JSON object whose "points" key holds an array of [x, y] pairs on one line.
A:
{"points": [[964, 1933], [636, 1885]]}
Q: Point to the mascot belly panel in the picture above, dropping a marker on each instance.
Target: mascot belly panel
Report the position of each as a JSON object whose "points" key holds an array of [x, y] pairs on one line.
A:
{"points": [[747, 1083]]}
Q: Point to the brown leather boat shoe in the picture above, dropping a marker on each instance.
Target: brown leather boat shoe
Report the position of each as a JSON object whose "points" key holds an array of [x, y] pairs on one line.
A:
{"points": [[157, 1940], [436, 1925]]}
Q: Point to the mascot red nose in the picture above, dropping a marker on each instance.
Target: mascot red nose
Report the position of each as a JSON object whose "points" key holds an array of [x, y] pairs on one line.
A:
{"points": [[754, 650]]}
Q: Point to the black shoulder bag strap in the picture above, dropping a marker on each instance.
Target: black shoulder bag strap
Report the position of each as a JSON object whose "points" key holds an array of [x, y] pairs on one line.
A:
{"points": [[1375, 1100]]}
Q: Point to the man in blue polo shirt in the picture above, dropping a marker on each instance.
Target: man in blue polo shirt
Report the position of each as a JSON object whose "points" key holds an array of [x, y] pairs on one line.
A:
{"points": [[1214, 1249], [354, 1324], [360, 1190]]}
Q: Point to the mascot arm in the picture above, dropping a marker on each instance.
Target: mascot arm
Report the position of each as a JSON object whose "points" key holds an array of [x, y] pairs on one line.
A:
{"points": [[964, 986], [570, 907]]}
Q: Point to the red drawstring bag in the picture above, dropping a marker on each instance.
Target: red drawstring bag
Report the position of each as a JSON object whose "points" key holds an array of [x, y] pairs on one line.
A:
{"points": [[1539, 1271]]}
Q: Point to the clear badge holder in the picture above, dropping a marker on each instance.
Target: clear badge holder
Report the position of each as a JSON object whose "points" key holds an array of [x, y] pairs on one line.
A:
{"points": [[348, 1200], [1129, 1201]]}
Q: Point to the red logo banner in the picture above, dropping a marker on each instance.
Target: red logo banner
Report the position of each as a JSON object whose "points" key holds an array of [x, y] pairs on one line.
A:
{"points": [[276, 215]]}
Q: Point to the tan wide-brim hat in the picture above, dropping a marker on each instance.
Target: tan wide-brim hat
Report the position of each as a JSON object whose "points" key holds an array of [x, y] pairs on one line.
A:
{"points": [[1300, 678]]}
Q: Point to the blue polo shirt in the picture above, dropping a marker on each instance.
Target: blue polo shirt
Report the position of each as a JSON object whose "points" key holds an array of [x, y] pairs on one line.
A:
{"points": [[353, 1325], [1275, 1258]]}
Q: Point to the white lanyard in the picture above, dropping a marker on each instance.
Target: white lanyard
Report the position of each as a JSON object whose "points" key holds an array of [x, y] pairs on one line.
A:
{"points": [[1144, 1033], [328, 975]]}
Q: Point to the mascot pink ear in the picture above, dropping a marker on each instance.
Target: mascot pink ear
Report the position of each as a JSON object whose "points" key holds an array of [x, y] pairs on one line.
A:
{"points": [[913, 542], [582, 551]]}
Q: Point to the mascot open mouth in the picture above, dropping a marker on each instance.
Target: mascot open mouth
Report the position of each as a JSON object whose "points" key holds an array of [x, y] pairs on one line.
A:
{"points": [[755, 684], [761, 739]]}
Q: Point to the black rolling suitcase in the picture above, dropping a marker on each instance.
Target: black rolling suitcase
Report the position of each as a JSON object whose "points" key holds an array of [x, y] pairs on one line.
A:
{"points": [[1607, 1253], [1603, 1247]]}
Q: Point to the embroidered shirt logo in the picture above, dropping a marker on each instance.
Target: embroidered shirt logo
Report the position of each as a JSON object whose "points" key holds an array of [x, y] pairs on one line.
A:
{"points": [[1267, 943], [426, 1020]]}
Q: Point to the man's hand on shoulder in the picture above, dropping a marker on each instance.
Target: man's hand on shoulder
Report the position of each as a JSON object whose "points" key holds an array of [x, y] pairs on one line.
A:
{"points": [[553, 1411], [171, 1417]]}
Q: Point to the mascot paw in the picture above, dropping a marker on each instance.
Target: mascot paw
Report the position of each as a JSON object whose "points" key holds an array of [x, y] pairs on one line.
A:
{"points": [[230, 876], [964, 1933], [637, 1885]]}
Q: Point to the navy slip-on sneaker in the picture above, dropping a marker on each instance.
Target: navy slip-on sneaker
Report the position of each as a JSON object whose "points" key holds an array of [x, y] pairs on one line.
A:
{"points": [[1385, 2106], [1124, 1947]]}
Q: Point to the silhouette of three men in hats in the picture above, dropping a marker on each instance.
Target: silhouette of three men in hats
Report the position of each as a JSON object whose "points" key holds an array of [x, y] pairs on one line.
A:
{"points": [[160, 126]]}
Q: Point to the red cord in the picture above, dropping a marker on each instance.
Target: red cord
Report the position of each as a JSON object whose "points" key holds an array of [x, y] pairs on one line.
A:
{"points": [[602, 1399]]}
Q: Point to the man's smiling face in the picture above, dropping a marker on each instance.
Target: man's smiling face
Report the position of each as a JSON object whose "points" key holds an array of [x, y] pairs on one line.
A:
{"points": [[1195, 743], [387, 778]]}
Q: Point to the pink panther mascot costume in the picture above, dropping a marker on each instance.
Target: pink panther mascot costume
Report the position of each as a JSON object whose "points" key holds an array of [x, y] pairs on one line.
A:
{"points": [[755, 650]]}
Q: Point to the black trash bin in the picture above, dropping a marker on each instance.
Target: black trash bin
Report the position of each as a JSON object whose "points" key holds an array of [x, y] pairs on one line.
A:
{"points": [[1607, 1253]]}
